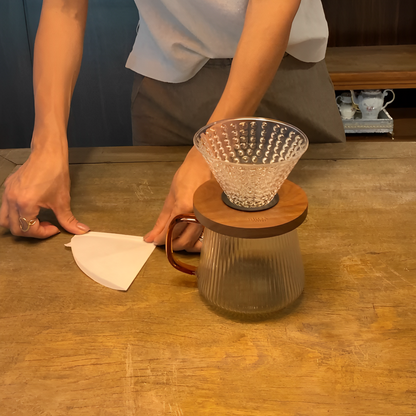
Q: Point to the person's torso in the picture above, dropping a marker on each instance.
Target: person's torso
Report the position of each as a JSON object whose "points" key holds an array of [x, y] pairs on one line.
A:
{"points": [[177, 37]]}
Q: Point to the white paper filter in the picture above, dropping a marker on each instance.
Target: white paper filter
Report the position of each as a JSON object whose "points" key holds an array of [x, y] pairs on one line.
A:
{"points": [[113, 260]]}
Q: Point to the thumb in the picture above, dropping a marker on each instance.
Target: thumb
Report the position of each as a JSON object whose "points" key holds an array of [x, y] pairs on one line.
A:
{"points": [[68, 221], [162, 220], [160, 225]]}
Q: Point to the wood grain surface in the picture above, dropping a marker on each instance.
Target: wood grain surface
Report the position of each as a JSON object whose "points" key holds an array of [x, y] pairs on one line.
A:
{"points": [[115, 154], [370, 22], [372, 67], [69, 346], [288, 214], [5, 168]]}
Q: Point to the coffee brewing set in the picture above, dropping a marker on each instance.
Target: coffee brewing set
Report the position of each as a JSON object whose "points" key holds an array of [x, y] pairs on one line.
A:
{"points": [[365, 112], [250, 262]]}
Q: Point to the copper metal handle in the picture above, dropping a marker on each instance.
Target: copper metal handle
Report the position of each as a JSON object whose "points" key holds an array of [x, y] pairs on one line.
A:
{"points": [[177, 264]]}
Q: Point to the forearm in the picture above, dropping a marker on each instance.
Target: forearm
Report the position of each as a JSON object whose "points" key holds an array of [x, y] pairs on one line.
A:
{"points": [[57, 60], [260, 50]]}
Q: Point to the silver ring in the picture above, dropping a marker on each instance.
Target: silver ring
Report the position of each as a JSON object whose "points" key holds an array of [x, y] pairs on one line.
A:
{"points": [[26, 224], [201, 237]]}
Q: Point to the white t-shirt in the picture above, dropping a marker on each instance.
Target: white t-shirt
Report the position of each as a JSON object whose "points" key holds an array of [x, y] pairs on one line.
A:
{"points": [[177, 37]]}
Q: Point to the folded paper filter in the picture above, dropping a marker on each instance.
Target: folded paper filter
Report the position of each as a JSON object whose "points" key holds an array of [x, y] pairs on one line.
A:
{"points": [[113, 260]]}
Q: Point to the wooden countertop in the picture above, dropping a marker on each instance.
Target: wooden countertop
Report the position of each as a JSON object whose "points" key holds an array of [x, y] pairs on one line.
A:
{"points": [[69, 346]]}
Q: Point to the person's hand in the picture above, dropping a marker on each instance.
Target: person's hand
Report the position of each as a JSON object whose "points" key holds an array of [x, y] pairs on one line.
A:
{"points": [[193, 172], [41, 182]]}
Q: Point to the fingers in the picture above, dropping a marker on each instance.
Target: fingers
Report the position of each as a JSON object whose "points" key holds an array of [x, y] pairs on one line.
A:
{"points": [[41, 182], [196, 248], [161, 224], [39, 230], [160, 238], [32, 227], [189, 239], [169, 211], [185, 236], [68, 221], [12, 217]]}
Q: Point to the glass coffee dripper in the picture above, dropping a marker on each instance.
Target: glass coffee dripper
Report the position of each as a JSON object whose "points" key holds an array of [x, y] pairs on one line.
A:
{"points": [[250, 261]]}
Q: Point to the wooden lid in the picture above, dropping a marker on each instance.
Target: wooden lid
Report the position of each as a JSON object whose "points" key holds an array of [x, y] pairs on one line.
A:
{"points": [[287, 215]]}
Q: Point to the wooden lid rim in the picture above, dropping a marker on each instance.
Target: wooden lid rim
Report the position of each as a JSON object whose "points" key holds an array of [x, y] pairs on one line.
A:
{"points": [[287, 215]]}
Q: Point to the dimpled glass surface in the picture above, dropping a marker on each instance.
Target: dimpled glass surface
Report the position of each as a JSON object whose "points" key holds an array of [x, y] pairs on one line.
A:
{"points": [[251, 157]]}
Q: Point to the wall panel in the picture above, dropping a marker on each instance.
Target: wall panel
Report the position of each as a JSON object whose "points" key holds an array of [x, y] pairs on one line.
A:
{"points": [[371, 22], [16, 96], [100, 110]]}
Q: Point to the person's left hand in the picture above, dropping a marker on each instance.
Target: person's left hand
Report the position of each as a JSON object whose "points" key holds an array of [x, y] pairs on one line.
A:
{"points": [[193, 173]]}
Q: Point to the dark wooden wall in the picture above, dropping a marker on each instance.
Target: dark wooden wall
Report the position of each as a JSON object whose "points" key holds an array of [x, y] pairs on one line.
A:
{"points": [[371, 22]]}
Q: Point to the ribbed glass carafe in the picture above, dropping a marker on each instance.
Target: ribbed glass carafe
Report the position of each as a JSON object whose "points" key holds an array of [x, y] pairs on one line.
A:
{"points": [[250, 276]]}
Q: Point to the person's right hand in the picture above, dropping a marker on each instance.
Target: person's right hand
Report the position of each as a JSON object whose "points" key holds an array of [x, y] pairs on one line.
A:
{"points": [[41, 182], [193, 172]]}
